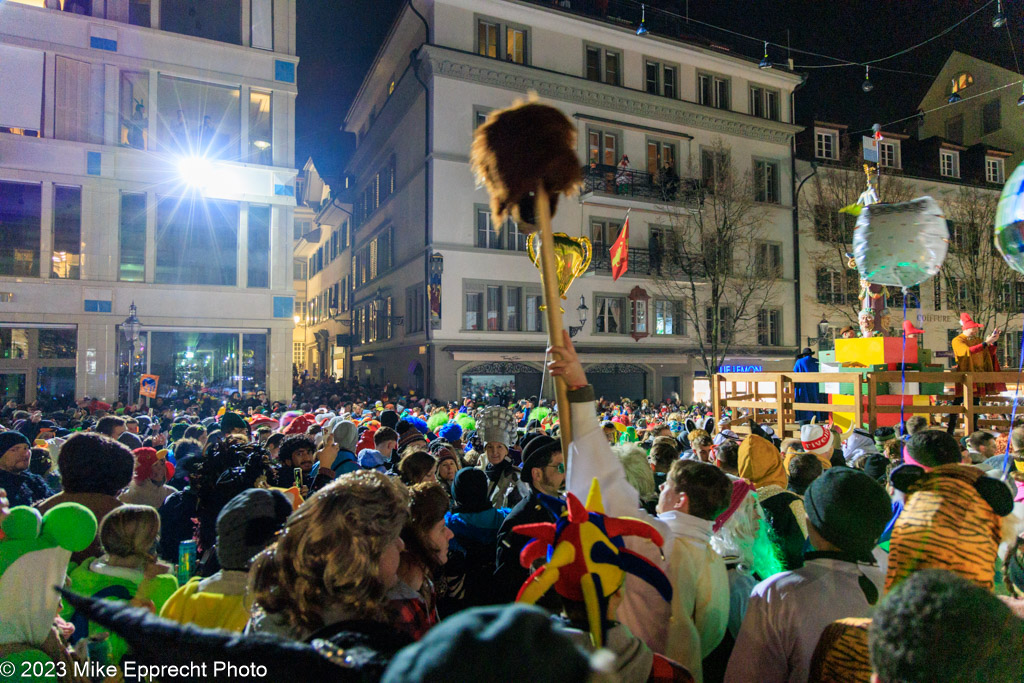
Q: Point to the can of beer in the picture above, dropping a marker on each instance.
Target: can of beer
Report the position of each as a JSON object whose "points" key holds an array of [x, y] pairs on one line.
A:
{"points": [[298, 478], [186, 561]]}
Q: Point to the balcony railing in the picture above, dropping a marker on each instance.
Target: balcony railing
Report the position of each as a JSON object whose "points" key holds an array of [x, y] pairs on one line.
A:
{"points": [[669, 266], [637, 184]]}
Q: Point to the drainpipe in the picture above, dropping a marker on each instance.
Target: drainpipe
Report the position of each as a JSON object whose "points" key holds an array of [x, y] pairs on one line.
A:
{"points": [[796, 215], [427, 232]]}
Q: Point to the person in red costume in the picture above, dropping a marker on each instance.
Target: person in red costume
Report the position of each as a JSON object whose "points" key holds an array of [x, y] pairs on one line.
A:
{"points": [[974, 355]]}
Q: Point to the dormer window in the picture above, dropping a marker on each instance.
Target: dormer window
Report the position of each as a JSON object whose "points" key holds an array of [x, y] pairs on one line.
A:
{"points": [[994, 170], [826, 143], [889, 153], [949, 163]]}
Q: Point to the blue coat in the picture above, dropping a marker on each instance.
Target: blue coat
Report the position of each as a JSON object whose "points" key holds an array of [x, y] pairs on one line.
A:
{"points": [[806, 392]]}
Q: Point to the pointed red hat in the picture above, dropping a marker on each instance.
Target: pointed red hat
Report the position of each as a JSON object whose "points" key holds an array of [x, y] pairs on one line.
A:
{"points": [[967, 323], [908, 328]]}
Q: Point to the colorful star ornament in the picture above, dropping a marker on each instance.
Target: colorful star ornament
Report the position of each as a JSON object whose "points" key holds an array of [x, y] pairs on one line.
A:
{"points": [[587, 559]]}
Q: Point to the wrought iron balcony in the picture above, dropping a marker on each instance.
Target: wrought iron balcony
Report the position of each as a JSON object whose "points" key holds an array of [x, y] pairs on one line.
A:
{"points": [[636, 184]]}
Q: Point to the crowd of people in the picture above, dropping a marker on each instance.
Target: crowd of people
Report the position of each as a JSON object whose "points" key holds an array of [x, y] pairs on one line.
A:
{"points": [[368, 534]]}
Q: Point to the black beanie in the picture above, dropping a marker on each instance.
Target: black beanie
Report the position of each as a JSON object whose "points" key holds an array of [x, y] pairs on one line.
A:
{"points": [[474, 641], [536, 450], [9, 440], [389, 418], [469, 491], [848, 508], [232, 421], [875, 466]]}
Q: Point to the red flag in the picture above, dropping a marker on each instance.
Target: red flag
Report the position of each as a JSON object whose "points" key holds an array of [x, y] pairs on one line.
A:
{"points": [[620, 252]]}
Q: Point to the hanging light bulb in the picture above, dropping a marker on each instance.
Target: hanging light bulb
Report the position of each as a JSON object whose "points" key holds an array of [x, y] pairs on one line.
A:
{"points": [[954, 96], [867, 85], [765, 62], [642, 28], [999, 19]]}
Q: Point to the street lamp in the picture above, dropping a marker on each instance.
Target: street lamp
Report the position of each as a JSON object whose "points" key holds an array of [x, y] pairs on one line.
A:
{"points": [[823, 329], [581, 311], [380, 304], [131, 328]]}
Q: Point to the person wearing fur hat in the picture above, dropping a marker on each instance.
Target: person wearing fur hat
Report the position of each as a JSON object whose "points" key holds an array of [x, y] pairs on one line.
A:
{"points": [[448, 464], [505, 487], [23, 487], [846, 513], [149, 485], [245, 526], [544, 472]]}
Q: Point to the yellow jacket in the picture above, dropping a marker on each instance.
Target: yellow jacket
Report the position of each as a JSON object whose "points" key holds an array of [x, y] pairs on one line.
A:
{"points": [[215, 602]]}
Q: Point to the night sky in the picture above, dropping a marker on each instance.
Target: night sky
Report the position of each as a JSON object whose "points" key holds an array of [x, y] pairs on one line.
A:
{"points": [[337, 40]]}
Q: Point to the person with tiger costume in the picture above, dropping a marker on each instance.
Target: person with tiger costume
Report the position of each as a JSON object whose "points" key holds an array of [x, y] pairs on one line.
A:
{"points": [[953, 519]]}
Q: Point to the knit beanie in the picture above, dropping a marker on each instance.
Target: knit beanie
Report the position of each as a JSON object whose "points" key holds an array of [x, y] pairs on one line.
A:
{"points": [[469, 491], [247, 524], [450, 432], [345, 434], [462, 646], [9, 440], [389, 418], [232, 421], [178, 430], [816, 439], [848, 508]]}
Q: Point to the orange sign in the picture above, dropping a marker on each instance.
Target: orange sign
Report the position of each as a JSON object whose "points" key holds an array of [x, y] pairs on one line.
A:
{"points": [[147, 386]]}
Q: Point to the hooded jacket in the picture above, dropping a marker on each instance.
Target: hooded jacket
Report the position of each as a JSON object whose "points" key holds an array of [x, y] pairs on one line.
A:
{"points": [[859, 446], [345, 436]]}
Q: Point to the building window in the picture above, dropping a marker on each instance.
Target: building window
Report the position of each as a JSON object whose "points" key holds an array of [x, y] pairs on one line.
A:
{"points": [[660, 78], [67, 232], [949, 163], [414, 309], [724, 326], [768, 329], [198, 119], [134, 109], [962, 80], [832, 226], [299, 269], [713, 168], [78, 101], [895, 297], [298, 351], [258, 250], [669, 318], [955, 129], [196, 245], [260, 129], [769, 259], [493, 309], [603, 146], [515, 45], [826, 144], [513, 308], [603, 65], [21, 223], [993, 170], [766, 181], [132, 237], [764, 103], [302, 228], [487, 38], [889, 154], [220, 21], [990, 117], [505, 237], [660, 154], [609, 315], [834, 288], [602, 234], [534, 316], [713, 91]]}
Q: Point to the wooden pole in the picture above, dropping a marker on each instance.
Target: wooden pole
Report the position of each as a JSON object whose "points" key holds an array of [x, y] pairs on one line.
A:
{"points": [[553, 301]]}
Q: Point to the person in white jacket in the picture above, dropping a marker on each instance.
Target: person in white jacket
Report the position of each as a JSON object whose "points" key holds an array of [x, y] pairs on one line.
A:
{"points": [[689, 628]]}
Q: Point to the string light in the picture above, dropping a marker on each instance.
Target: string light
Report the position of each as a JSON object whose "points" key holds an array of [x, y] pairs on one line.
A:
{"points": [[642, 28], [765, 62], [867, 85]]}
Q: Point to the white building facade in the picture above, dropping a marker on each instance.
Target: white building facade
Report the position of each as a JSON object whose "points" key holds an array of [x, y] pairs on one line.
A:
{"points": [[146, 156], [443, 304]]}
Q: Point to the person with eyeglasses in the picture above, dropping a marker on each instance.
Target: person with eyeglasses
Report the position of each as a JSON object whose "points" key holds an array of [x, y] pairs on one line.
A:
{"points": [[544, 472]]}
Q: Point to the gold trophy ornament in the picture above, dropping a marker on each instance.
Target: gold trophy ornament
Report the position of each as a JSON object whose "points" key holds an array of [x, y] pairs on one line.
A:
{"points": [[572, 258]]}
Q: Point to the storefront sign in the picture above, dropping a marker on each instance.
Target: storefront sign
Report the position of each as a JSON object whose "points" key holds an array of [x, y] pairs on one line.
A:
{"points": [[741, 368], [147, 387]]}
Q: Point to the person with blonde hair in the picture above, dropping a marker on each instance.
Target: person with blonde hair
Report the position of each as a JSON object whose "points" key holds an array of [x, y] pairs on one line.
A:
{"points": [[128, 570], [638, 473], [331, 568]]}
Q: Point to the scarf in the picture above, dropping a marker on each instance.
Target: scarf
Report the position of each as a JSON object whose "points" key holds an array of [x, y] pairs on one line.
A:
{"points": [[496, 472]]}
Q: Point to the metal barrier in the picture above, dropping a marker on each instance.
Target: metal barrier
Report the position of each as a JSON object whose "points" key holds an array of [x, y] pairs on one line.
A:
{"points": [[741, 391]]}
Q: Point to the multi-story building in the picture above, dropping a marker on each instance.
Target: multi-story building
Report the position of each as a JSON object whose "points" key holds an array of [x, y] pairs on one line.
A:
{"points": [[311, 194], [973, 101], [146, 156], [443, 303], [973, 278]]}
